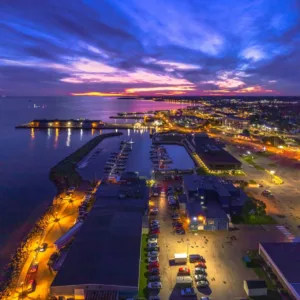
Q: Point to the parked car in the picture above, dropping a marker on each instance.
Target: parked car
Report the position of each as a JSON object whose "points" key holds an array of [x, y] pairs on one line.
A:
{"points": [[195, 258], [153, 259], [154, 271], [202, 284], [43, 247], [34, 267], [31, 286], [154, 285], [154, 278], [180, 231], [152, 245], [155, 231], [153, 265], [199, 277], [153, 248], [153, 253], [185, 271], [187, 292], [153, 236], [200, 265], [152, 240], [200, 271]]}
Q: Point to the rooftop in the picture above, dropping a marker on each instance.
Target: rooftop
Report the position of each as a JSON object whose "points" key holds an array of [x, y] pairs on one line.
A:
{"points": [[286, 256], [111, 232], [256, 284]]}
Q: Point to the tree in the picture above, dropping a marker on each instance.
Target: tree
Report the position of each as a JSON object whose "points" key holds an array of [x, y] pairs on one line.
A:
{"points": [[246, 132], [254, 207]]}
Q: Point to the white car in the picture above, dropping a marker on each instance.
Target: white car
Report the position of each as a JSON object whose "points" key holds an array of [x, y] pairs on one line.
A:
{"points": [[153, 259], [154, 285], [152, 245], [154, 222], [152, 240], [154, 209], [153, 253]]}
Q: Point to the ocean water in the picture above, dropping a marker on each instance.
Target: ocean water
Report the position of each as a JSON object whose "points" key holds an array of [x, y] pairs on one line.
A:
{"points": [[27, 155]]}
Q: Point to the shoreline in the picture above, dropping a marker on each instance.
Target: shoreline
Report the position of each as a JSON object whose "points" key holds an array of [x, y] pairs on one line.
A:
{"points": [[66, 167]]}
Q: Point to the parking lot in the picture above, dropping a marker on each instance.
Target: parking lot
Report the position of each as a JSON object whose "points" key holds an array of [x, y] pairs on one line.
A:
{"points": [[222, 250]]}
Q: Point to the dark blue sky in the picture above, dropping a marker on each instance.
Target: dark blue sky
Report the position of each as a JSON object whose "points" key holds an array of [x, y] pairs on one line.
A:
{"points": [[193, 47]]}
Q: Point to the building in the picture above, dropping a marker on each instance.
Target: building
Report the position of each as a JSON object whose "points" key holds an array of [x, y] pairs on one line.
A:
{"points": [[204, 189], [255, 288], [284, 260], [207, 217], [105, 256], [214, 157], [236, 122]]}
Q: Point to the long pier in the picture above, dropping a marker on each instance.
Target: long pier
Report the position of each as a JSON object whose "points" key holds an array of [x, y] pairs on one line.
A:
{"points": [[80, 124]]}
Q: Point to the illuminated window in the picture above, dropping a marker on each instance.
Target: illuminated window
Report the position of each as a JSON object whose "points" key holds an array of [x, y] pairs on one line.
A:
{"points": [[211, 222]]}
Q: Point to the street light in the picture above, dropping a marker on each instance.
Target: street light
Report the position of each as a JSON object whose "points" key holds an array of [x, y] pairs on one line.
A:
{"points": [[272, 172], [22, 284]]}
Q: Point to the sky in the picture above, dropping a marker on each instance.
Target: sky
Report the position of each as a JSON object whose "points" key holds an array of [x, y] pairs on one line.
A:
{"points": [[149, 47]]}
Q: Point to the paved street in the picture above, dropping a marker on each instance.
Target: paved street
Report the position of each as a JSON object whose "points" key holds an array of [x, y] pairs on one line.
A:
{"points": [[67, 214], [285, 208], [225, 268]]}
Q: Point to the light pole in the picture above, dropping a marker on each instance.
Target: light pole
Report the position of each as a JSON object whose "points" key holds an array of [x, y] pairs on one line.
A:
{"points": [[22, 284], [272, 172]]}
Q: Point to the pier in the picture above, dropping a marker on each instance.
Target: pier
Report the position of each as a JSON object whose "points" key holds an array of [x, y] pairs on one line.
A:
{"points": [[80, 124]]}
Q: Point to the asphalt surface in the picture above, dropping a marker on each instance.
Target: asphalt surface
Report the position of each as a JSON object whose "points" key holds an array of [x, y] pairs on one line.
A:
{"points": [[285, 208], [223, 255]]}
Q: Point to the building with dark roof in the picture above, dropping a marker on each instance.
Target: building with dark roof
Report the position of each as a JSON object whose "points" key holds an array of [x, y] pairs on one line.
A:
{"points": [[208, 188], [212, 155], [284, 260], [105, 255], [236, 122], [255, 288]]}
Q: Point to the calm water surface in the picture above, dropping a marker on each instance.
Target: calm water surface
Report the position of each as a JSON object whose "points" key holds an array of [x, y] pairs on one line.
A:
{"points": [[27, 155]]}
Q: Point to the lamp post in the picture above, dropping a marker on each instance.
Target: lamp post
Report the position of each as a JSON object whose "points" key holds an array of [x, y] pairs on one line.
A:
{"points": [[22, 284], [272, 172]]}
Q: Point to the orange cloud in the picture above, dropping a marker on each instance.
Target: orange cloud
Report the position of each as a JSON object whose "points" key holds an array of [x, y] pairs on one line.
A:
{"points": [[161, 88], [98, 94]]}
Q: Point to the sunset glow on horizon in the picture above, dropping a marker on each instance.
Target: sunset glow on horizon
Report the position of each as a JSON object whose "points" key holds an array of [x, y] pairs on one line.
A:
{"points": [[132, 46]]}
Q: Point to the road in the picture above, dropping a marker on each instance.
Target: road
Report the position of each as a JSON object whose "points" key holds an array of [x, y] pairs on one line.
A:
{"points": [[60, 224], [285, 208], [225, 269]]}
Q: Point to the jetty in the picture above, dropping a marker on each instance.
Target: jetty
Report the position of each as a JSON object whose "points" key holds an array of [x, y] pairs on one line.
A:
{"points": [[79, 124]]}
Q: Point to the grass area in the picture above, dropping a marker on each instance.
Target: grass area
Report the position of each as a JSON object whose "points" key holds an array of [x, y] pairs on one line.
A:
{"points": [[261, 274], [253, 220], [201, 171], [143, 269], [251, 181], [250, 160], [272, 291], [64, 174]]}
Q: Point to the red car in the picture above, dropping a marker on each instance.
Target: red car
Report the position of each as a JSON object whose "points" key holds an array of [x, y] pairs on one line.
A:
{"points": [[155, 231], [153, 265], [200, 265], [34, 267], [185, 271]]}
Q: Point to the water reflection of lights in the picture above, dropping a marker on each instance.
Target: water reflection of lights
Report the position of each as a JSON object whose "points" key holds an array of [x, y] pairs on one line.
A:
{"points": [[56, 137], [93, 131], [81, 134], [49, 131], [68, 143], [32, 134], [128, 132]]}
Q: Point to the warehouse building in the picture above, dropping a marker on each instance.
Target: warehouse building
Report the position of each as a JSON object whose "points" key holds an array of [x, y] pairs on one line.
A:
{"points": [[105, 256], [284, 260], [214, 157]]}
